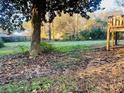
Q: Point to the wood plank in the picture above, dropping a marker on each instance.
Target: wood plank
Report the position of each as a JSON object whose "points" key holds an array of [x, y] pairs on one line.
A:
{"points": [[108, 39], [113, 39], [117, 30]]}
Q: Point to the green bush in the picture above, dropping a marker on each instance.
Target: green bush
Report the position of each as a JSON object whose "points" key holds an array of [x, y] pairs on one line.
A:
{"points": [[1, 43], [15, 38], [97, 34], [90, 34], [84, 35], [23, 48], [93, 34], [71, 37], [46, 47]]}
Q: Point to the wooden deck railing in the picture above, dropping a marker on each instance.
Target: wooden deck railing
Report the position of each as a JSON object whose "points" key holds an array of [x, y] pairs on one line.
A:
{"points": [[115, 25]]}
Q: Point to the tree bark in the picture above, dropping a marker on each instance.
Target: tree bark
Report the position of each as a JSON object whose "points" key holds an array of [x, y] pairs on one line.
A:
{"points": [[49, 32], [36, 24]]}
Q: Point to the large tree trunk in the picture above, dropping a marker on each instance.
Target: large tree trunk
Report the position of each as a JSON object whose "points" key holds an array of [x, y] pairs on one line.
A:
{"points": [[35, 41]]}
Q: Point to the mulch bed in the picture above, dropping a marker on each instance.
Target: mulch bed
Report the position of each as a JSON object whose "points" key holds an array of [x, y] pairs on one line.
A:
{"points": [[15, 68]]}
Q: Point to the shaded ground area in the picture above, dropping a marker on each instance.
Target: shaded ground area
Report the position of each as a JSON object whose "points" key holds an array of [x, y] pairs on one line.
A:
{"points": [[96, 71]]}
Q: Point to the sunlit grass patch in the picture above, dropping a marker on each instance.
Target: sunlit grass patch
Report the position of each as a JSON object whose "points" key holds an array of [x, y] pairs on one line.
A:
{"points": [[67, 49], [61, 84], [14, 48], [27, 86]]}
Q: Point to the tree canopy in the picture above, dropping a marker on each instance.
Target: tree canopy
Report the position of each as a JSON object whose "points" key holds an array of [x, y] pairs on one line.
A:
{"points": [[10, 18], [10, 8], [55, 7], [120, 2]]}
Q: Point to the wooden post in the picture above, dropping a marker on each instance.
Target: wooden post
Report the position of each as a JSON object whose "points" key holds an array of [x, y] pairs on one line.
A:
{"points": [[108, 39], [113, 39], [116, 38]]}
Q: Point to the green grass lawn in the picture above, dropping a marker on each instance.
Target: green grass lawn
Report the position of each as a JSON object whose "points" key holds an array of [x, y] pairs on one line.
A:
{"points": [[71, 46], [18, 47], [14, 47], [75, 43]]}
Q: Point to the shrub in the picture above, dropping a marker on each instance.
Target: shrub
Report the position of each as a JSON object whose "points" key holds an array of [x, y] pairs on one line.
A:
{"points": [[90, 34], [97, 34], [1, 43], [16, 38], [46, 47], [84, 35], [71, 37], [93, 34], [23, 48]]}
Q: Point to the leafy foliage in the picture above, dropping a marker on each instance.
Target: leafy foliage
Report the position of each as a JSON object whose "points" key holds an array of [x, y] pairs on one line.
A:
{"points": [[94, 29], [120, 2], [92, 34], [10, 18], [85, 35], [97, 34], [46, 47], [15, 39], [56, 7], [23, 48]]}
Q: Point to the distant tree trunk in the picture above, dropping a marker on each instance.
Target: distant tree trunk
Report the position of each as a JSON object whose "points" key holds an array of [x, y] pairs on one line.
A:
{"points": [[35, 41], [53, 38], [49, 32], [9, 32], [76, 33]]}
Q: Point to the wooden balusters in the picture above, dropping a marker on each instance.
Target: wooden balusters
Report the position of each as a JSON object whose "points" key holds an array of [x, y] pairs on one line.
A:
{"points": [[115, 24]]}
